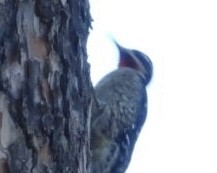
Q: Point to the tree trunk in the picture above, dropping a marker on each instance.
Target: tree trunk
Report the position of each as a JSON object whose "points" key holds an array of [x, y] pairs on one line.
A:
{"points": [[45, 88]]}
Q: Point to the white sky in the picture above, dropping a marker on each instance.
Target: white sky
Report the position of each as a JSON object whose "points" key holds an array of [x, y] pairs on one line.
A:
{"points": [[180, 134]]}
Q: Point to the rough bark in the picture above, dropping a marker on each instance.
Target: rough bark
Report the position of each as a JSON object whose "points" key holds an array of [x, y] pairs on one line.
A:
{"points": [[45, 88]]}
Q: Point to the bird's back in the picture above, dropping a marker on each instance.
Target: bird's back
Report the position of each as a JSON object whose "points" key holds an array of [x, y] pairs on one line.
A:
{"points": [[117, 121]]}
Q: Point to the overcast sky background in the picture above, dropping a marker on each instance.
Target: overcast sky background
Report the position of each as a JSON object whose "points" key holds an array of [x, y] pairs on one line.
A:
{"points": [[180, 37]]}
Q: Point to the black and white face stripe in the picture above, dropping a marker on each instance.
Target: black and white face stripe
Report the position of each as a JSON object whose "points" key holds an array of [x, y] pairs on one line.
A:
{"points": [[145, 62], [136, 60]]}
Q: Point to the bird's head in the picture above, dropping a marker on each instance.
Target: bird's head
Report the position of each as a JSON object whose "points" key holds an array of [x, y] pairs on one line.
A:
{"points": [[136, 60]]}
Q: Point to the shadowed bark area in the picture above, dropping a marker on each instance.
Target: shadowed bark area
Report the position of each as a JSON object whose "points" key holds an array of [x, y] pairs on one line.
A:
{"points": [[45, 88]]}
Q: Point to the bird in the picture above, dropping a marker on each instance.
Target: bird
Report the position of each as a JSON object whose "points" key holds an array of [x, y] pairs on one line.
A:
{"points": [[119, 111]]}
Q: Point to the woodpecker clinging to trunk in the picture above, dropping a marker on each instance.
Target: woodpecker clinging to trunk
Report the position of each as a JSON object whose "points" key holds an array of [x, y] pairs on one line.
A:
{"points": [[119, 112]]}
